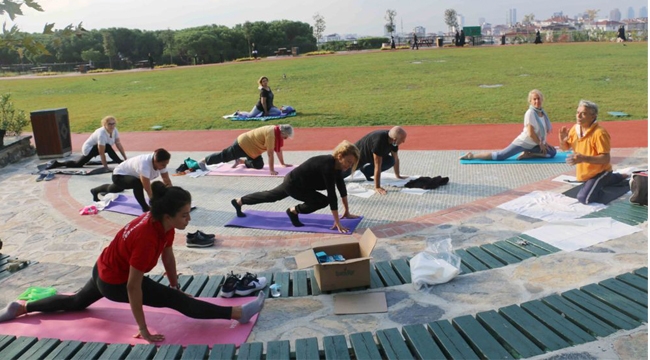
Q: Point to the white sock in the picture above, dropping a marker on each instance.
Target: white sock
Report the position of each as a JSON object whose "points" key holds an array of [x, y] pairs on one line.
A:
{"points": [[252, 308], [10, 311]]}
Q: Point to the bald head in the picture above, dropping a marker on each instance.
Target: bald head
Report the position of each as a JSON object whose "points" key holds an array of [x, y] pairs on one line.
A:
{"points": [[397, 135]]}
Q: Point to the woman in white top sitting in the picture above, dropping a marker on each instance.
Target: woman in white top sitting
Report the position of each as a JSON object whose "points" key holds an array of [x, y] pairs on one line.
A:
{"points": [[532, 140], [137, 173], [99, 143]]}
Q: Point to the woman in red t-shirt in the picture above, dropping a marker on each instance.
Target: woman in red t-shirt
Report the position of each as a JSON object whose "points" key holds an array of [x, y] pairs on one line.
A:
{"points": [[119, 272]]}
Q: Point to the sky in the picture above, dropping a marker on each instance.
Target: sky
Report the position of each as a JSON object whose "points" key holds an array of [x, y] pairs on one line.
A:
{"points": [[360, 17]]}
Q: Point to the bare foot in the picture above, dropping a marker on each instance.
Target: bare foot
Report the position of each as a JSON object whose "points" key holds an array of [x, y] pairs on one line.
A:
{"points": [[237, 163], [524, 155], [468, 156]]}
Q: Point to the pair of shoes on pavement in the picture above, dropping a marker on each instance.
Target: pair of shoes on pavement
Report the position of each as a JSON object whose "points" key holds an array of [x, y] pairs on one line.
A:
{"points": [[45, 176], [199, 239], [234, 285]]}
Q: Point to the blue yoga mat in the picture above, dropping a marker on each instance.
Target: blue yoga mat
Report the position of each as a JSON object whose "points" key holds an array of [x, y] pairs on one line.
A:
{"points": [[314, 223], [259, 118], [559, 158]]}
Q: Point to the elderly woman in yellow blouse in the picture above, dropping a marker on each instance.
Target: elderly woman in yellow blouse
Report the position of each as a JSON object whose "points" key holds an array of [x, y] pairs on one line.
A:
{"points": [[251, 145]]}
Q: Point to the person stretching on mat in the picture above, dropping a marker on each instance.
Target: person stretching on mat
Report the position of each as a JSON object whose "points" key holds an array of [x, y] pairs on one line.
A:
{"points": [[252, 145], [591, 146], [264, 106], [118, 274], [99, 143], [323, 172], [531, 143], [379, 153], [136, 173]]}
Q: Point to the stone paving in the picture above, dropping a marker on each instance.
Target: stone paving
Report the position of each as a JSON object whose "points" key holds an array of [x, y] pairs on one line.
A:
{"points": [[40, 222]]}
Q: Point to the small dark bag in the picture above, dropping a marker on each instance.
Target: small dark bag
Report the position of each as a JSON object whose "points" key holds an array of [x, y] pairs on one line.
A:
{"points": [[639, 188]]}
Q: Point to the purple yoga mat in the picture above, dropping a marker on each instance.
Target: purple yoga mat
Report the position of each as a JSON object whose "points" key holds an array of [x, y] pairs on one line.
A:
{"points": [[314, 223], [242, 170], [125, 204]]}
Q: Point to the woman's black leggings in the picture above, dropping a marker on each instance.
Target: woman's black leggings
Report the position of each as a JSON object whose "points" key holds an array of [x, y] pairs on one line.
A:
{"points": [[93, 152], [122, 182], [312, 199], [153, 294]]}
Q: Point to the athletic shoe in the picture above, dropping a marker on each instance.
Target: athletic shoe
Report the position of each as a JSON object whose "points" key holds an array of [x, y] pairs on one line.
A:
{"points": [[199, 233], [229, 286], [41, 177], [49, 176], [199, 242], [249, 284]]}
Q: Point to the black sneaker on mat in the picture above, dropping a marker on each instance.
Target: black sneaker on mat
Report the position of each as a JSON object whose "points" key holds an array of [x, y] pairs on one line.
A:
{"points": [[229, 286], [249, 284]]}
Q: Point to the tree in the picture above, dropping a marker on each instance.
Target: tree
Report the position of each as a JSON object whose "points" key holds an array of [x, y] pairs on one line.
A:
{"points": [[92, 55], [319, 26], [390, 17], [169, 44], [592, 14], [451, 19], [247, 34], [109, 47], [528, 19]]}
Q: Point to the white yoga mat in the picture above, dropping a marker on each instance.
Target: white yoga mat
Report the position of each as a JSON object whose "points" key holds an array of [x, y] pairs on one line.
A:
{"points": [[549, 206], [567, 179], [581, 233], [388, 178]]}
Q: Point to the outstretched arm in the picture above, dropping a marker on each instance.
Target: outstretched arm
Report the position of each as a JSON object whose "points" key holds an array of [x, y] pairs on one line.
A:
{"points": [[134, 291]]}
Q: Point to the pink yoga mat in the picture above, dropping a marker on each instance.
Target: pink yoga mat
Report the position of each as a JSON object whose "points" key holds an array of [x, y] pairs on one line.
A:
{"points": [[112, 322], [242, 170]]}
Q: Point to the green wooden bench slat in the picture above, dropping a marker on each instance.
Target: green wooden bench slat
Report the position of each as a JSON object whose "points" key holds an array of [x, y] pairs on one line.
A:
{"points": [[300, 286], [421, 343], [479, 338], [393, 345], [251, 351], [197, 284], [222, 352], [470, 261], [618, 302], [40, 349], [115, 352], [622, 218], [375, 280], [194, 352], [307, 349], [402, 269], [537, 251], [313, 284], [632, 213], [164, 280], [168, 352], [270, 280], [643, 272], [142, 352], [508, 335], [185, 280], [450, 341], [364, 346], [513, 250], [578, 316], [65, 350], [335, 347], [548, 247], [278, 350], [5, 340], [484, 257], [561, 326], [282, 279], [387, 273], [17, 347], [500, 254], [464, 269], [601, 310], [533, 329], [626, 291], [157, 277], [635, 281], [90, 350], [212, 286]]}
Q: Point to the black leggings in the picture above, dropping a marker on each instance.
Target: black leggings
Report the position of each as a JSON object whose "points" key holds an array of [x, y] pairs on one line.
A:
{"points": [[122, 182], [312, 199], [233, 152], [93, 152], [153, 294]]}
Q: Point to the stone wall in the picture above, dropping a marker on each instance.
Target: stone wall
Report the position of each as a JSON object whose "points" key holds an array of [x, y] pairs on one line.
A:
{"points": [[15, 148]]}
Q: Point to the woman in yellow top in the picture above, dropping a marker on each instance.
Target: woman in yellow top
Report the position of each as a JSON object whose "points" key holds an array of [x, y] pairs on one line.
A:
{"points": [[252, 145]]}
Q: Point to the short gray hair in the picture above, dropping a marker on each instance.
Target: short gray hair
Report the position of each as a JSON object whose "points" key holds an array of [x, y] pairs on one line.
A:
{"points": [[396, 131], [589, 105], [287, 130]]}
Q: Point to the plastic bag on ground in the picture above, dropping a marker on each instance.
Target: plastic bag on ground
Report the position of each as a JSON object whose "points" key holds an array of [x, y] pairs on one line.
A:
{"points": [[436, 265]]}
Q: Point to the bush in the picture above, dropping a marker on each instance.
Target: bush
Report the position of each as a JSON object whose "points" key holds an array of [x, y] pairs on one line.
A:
{"points": [[165, 66], [245, 59], [322, 52], [11, 120], [100, 71], [48, 73], [402, 47]]}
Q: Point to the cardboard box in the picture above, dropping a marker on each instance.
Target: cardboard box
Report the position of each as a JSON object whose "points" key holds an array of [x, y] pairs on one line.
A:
{"points": [[352, 273]]}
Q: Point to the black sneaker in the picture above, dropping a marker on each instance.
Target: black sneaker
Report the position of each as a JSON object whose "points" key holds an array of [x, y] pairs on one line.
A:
{"points": [[249, 284], [199, 233], [229, 286], [199, 241]]}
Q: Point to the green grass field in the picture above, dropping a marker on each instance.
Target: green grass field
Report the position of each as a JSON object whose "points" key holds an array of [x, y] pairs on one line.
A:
{"points": [[426, 87]]}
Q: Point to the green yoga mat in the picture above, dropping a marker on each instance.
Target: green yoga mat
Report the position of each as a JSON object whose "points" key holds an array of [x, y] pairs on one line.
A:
{"points": [[559, 158]]}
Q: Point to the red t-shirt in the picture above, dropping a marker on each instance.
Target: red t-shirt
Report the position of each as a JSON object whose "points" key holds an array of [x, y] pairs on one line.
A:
{"points": [[139, 244]]}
